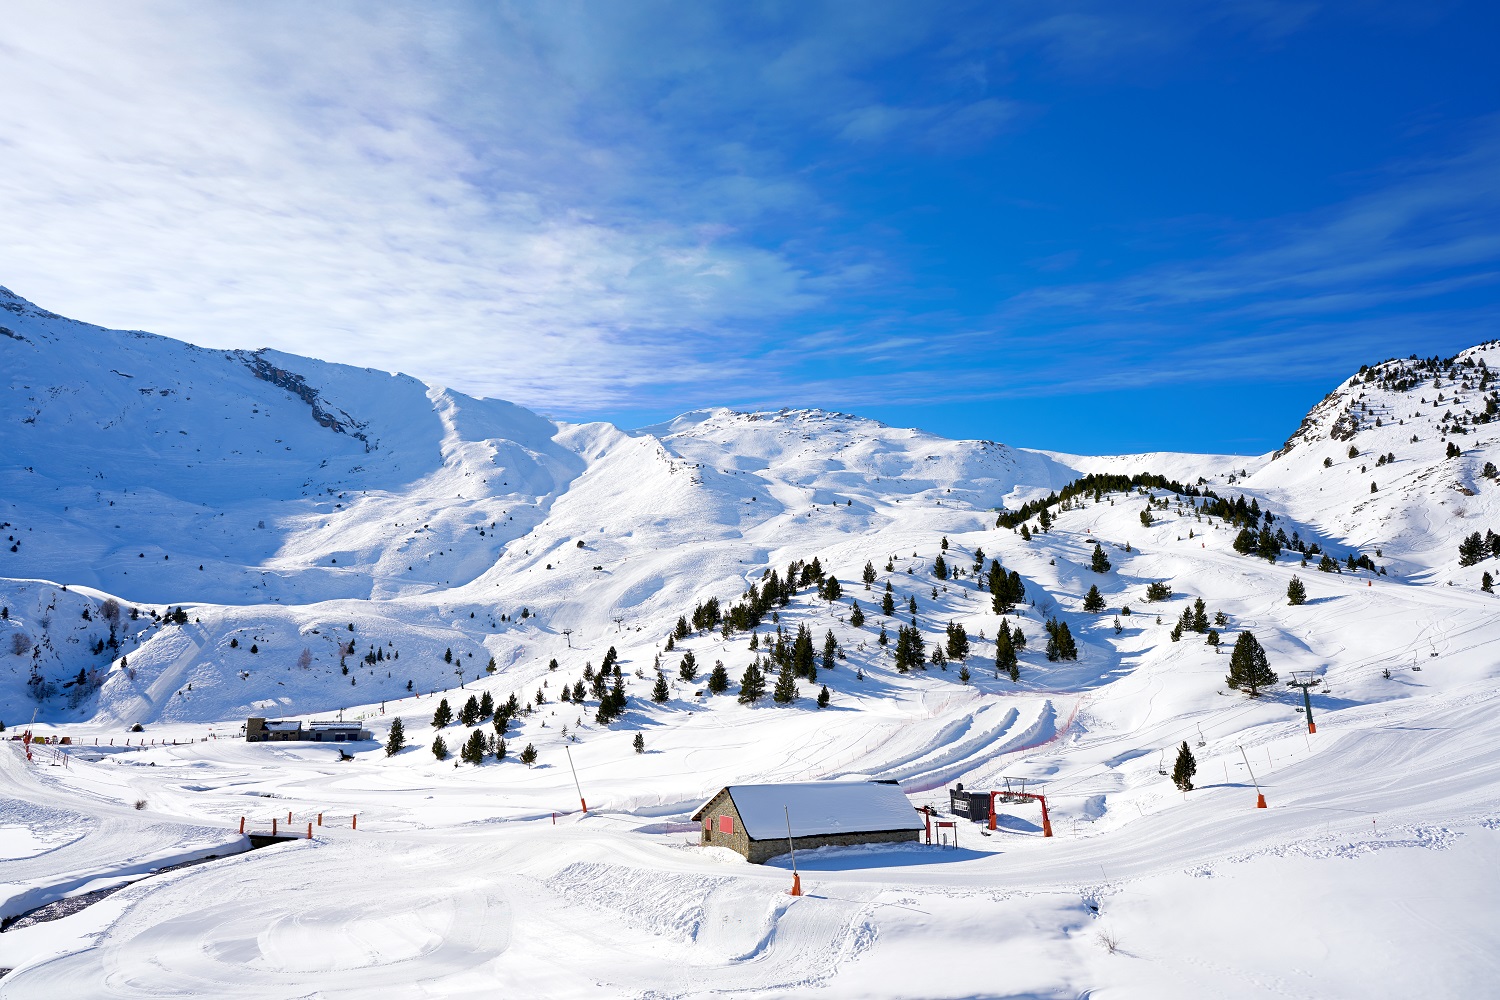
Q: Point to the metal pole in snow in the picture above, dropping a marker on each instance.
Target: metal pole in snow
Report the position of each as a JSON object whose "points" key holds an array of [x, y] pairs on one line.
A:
{"points": [[1260, 799], [796, 878], [569, 751]]}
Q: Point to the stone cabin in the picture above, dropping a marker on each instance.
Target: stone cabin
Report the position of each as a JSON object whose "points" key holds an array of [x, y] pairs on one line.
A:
{"points": [[752, 819]]}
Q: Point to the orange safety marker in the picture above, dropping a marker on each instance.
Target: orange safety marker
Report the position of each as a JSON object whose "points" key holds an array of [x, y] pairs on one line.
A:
{"points": [[320, 819], [273, 826], [354, 822], [309, 831], [796, 885], [289, 816], [242, 824]]}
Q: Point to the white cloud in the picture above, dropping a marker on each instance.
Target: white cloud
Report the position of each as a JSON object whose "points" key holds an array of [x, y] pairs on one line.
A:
{"points": [[322, 184]]}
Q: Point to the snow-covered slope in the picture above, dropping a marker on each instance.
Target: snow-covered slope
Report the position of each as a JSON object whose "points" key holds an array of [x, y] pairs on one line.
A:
{"points": [[407, 538]]}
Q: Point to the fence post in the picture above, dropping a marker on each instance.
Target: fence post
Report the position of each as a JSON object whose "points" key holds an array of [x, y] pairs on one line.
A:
{"points": [[242, 824]]}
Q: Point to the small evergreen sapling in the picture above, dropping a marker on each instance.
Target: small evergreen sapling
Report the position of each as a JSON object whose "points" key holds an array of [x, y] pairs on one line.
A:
{"points": [[659, 692], [1296, 592], [639, 743], [785, 691], [443, 716], [528, 756], [1184, 769], [856, 616], [1249, 670], [718, 679], [1100, 562], [397, 740], [823, 697], [752, 684], [440, 748], [1093, 601]]}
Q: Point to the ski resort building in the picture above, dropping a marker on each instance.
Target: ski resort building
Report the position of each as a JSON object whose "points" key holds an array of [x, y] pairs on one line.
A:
{"points": [[753, 820], [292, 731]]}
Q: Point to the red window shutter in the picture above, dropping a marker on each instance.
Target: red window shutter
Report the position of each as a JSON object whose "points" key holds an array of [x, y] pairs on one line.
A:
{"points": [[726, 824]]}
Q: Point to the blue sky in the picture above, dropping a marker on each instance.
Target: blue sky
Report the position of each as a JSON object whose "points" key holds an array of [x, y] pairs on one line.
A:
{"points": [[1090, 227]]}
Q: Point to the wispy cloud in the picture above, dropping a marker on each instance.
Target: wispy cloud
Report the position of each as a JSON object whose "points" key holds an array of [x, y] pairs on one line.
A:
{"points": [[586, 206]]}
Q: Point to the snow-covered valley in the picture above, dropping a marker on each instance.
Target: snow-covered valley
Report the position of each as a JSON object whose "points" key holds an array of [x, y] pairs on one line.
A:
{"points": [[347, 542]]}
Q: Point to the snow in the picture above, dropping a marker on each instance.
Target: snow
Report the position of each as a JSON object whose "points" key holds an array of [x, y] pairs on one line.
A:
{"points": [[1366, 875], [821, 807]]}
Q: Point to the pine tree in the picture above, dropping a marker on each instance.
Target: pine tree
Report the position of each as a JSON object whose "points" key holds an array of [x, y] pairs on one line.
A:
{"points": [[752, 684], [868, 576], [1487, 583], [1199, 620], [1093, 600], [1100, 561], [1249, 669], [469, 714], [856, 616], [528, 756], [1005, 653], [718, 679], [830, 651], [639, 743], [803, 660], [440, 748], [486, 706], [823, 697], [785, 691], [448, 656], [443, 716], [1025, 533], [1213, 639], [500, 748], [1471, 550], [1184, 769], [397, 741], [474, 748], [882, 639], [1296, 592], [659, 693], [958, 642], [1044, 519], [940, 568], [963, 674], [1060, 644], [887, 602], [688, 670]]}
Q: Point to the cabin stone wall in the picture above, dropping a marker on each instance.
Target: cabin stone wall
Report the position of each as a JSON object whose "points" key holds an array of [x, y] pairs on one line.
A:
{"points": [[761, 851], [709, 833]]}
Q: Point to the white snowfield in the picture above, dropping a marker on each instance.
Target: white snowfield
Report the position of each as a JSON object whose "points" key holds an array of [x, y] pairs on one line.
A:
{"points": [[288, 505]]}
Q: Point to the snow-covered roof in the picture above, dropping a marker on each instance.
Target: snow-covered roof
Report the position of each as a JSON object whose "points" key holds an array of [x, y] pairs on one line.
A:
{"points": [[333, 725], [822, 807], [284, 725]]}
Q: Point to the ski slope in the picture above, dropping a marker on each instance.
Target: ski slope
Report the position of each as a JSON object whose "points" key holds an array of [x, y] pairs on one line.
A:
{"points": [[330, 506]]}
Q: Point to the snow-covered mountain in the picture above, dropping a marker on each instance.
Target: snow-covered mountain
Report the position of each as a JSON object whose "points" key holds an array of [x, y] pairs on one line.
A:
{"points": [[272, 493], [193, 536]]}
